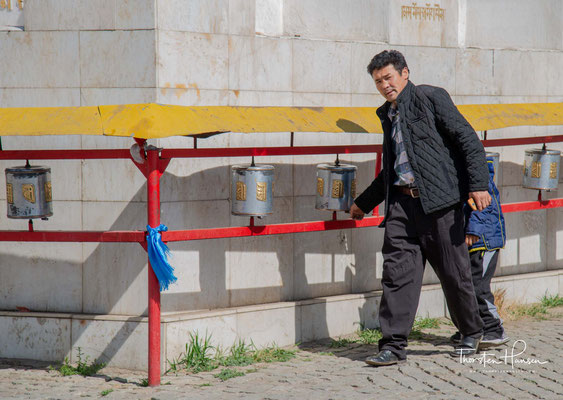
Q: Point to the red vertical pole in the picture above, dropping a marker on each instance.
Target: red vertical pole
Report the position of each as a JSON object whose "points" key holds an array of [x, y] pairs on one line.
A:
{"points": [[377, 171], [153, 207]]}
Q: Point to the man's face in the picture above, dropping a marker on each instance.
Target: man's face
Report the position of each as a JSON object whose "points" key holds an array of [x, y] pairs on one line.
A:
{"points": [[390, 82]]}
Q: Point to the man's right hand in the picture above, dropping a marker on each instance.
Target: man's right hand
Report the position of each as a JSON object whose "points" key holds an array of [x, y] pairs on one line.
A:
{"points": [[356, 212]]}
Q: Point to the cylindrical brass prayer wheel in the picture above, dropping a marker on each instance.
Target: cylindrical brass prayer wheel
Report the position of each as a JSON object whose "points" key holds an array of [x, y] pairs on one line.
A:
{"points": [[541, 169], [336, 187], [28, 192], [252, 190]]}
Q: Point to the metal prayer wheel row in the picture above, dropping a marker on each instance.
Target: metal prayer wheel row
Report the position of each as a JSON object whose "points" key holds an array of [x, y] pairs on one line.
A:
{"points": [[28, 192], [252, 188]]}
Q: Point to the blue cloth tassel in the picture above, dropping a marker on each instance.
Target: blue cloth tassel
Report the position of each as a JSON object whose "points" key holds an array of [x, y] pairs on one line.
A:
{"points": [[158, 256]]}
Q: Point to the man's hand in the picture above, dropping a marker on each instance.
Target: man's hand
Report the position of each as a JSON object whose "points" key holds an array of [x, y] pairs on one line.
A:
{"points": [[470, 239], [481, 200], [356, 212]]}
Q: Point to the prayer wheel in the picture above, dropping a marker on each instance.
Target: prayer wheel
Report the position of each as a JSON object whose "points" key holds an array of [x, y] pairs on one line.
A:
{"points": [[252, 190], [541, 169], [496, 157], [336, 187], [28, 192]]}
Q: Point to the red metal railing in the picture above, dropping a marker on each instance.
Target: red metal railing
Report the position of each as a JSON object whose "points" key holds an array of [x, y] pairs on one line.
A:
{"points": [[154, 167]]}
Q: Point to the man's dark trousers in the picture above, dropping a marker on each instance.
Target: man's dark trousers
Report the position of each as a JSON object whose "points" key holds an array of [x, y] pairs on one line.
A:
{"points": [[411, 237]]}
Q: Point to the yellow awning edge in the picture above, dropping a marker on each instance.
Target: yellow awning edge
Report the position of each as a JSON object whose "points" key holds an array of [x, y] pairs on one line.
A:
{"points": [[151, 120], [35, 121]]}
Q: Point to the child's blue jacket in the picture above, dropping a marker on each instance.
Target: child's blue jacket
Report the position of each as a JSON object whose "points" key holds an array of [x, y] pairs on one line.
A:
{"points": [[488, 224]]}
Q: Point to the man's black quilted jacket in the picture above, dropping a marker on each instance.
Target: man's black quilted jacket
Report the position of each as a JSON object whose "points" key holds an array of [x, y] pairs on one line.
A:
{"points": [[446, 156]]}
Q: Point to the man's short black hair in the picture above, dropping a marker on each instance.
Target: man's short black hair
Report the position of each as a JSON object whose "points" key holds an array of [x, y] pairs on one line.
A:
{"points": [[385, 58]]}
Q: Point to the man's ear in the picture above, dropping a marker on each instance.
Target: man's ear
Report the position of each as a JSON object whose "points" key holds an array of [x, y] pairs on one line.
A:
{"points": [[405, 73]]}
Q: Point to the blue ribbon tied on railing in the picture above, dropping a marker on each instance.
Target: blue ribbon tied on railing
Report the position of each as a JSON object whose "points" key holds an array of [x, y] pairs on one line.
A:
{"points": [[158, 256]]}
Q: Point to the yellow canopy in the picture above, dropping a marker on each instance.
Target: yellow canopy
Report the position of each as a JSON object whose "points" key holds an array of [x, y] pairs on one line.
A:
{"points": [[150, 121]]}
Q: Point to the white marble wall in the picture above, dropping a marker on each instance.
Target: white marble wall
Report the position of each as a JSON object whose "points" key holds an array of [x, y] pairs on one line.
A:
{"points": [[251, 53]]}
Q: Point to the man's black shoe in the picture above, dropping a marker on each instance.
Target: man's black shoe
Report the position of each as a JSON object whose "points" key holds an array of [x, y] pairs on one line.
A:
{"points": [[468, 346], [455, 338], [384, 357]]}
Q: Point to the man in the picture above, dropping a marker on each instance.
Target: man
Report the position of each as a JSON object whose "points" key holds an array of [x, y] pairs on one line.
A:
{"points": [[433, 162]]}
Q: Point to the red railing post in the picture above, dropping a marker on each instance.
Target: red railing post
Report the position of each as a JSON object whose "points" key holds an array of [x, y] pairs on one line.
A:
{"points": [[153, 208]]}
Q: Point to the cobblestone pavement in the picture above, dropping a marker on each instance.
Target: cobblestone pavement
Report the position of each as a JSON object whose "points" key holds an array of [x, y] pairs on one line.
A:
{"points": [[430, 372]]}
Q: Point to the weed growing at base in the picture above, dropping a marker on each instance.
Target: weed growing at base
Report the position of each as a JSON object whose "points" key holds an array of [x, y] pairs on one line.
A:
{"points": [[201, 355], [82, 366]]}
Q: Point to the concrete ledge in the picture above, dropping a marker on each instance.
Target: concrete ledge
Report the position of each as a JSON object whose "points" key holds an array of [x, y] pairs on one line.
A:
{"points": [[121, 340]]}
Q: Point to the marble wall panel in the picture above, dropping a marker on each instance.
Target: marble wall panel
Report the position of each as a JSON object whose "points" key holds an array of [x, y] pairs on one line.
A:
{"points": [[310, 61], [41, 276], [260, 269], [242, 15], [39, 97], [112, 180], [193, 60], [366, 20], [269, 17], [474, 73], [513, 68], [112, 342], [258, 63], [35, 338], [200, 265], [117, 59], [69, 15], [517, 24], [269, 326], [39, 60], [205, 16], [135, 14]]}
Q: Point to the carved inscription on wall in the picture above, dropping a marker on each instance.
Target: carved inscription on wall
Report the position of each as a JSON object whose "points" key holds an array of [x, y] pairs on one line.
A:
{"points": [[427, 13]]}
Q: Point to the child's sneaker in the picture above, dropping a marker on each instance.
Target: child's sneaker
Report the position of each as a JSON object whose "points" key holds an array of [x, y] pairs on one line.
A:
{"points": [[493, 340]]}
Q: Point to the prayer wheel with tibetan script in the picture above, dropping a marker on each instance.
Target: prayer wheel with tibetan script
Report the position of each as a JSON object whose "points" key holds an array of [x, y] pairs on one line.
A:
{"points": [[28, 192], [541, 169], [336, 187], [252, 190]]}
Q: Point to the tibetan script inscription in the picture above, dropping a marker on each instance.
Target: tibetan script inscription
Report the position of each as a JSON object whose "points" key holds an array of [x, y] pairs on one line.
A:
{"points": [[9, 193], [28, 191], [536, 169], [553, 170], [241, 191], [48, 192], [427, 13], [262, 191], [320, 186], [337, 189]]}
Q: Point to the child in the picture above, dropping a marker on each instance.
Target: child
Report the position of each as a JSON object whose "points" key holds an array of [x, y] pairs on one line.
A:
{"points": [[485, 235]]}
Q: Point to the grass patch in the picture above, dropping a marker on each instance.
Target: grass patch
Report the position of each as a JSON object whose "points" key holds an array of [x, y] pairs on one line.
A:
{"points": [[420, 324], [426, 323], [104, 393], [369, 336], [273, 354], [512, 310], [326, 353], [551, 301], [341, 343], [205, 384], [144, 382], [82, 366], [228, 373], [201, 355]]}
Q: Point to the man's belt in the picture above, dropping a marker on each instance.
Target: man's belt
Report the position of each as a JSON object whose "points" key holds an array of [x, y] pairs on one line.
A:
{"points": [[409, 191]]}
